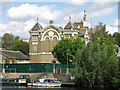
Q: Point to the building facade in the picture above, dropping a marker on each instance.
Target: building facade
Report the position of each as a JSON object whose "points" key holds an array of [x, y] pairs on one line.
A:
{"points": [[42, 40]]}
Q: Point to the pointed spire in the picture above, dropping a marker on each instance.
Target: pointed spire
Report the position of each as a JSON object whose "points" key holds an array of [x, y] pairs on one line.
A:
{"points": [[37, 26], [70, 18], [37, 19]]}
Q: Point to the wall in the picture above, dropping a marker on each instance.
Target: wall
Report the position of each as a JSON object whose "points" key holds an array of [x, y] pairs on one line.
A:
{"points": [[43, 58], [36, 68]]}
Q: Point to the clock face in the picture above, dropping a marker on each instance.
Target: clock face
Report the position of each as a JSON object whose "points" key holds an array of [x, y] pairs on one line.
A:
{"points": [[35, 48], [50, 33]]}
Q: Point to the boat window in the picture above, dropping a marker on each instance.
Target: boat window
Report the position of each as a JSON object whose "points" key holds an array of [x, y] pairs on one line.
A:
{"points": [[48, 80], [51, 81], [56, 80], [45, 80], [22, 76], [27, 76]]}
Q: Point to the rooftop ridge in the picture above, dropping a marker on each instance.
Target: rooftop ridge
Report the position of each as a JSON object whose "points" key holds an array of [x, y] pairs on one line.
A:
{"points": [[10, 50]]}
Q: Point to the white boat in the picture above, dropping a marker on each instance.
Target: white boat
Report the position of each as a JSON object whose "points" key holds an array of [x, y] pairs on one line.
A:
{"points": [[47, 83]]}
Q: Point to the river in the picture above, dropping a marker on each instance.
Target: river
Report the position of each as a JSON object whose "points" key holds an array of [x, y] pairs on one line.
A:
{"points": [[46, 88]]}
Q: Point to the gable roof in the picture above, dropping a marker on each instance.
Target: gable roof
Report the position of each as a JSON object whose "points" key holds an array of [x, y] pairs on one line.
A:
{"points": [[14, 54], [70, 25], [37, 27]]}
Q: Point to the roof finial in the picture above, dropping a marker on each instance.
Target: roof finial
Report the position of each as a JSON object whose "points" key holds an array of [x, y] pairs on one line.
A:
{"points": [[69, 18], [37, 19], [51, 22]]}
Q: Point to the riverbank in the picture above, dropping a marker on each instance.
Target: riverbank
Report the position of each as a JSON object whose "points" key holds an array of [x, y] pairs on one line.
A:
{"points": [[36, 76], [63, 78]]}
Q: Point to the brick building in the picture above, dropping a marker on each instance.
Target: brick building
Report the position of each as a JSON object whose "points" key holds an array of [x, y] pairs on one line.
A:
{"points": [[42, 40]]}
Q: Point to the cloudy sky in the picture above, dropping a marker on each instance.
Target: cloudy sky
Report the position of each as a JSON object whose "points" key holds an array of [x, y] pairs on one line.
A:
{"points": [[18, 17]]}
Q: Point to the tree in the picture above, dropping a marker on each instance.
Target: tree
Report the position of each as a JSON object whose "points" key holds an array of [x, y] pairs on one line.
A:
{"points": [[11, 42], [67, 46], [77, 44], [20, 45], [96, 65], [116, 37], [7, 40], [61, 49], [100, 30]]}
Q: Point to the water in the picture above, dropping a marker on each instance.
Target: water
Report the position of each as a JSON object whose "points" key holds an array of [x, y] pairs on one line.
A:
{"points": [[48, 88]]}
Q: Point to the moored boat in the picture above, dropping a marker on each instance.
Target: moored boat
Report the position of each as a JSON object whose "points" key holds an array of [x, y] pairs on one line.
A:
{"points": [[47, 83], [21, 81]]}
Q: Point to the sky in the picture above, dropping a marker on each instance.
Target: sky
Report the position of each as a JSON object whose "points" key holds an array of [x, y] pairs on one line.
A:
{"points": [[18, 16]]}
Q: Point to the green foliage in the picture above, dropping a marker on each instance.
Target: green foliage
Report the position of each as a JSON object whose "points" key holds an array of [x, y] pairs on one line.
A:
{"points": [[101, 31], [77, 44], [20, 45], [96, 65], [7, 40], [11, 42], [116, 37], [67, 46], [7, 59], [61, 49], [119, 63], [13, 60]]}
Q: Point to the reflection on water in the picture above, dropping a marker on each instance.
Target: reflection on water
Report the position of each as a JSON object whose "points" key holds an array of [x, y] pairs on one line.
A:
{"points": [[48, 88]]}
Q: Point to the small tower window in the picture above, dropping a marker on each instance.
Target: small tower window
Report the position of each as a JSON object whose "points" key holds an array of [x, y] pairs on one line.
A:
{"points": [[67, 36], [35, 37]]}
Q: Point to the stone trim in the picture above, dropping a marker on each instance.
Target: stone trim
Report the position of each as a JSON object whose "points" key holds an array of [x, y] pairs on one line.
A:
{"points": [[34, 42], [70, 33], [42, 53], [42, 39]]}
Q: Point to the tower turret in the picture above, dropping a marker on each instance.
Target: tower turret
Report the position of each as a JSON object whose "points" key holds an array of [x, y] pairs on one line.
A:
{"points": [[85, 21], [85, 16], [85, 24]]}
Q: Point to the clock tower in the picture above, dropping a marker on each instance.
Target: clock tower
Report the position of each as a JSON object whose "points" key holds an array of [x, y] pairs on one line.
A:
{"points": [[42, 42]]}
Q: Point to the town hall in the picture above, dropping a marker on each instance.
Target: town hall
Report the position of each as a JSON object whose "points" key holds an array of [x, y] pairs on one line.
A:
{"points": [[42, 40]]}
